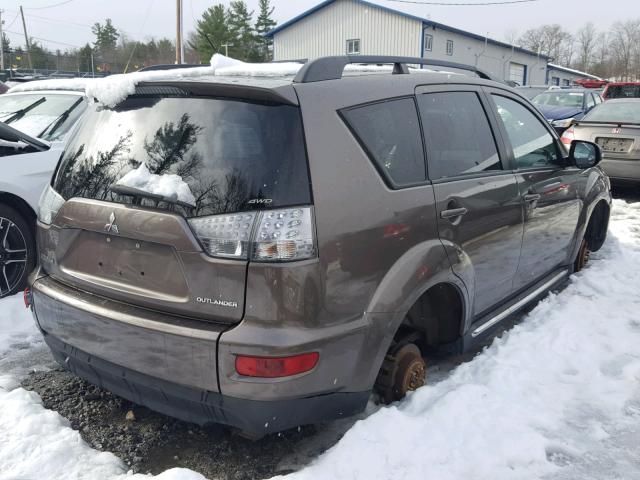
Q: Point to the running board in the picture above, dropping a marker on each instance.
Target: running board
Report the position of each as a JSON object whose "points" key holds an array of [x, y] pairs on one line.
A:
{"points": [[519, 304]]}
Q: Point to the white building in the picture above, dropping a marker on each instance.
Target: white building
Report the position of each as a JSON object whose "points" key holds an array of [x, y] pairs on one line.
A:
{"points": [[563, 76], [359, 27]]}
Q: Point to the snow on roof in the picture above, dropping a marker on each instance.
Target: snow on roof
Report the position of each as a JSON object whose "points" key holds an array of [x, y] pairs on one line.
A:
{"points": [[113, 89], [554, 66]]}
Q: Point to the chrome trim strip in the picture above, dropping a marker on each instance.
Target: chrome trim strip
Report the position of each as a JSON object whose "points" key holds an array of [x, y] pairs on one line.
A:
{"points": [[518, 305], [124, 314]]}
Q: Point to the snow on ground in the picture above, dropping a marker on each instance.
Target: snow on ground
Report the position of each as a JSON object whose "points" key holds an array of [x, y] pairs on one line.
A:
{"points": [[556, 397]]}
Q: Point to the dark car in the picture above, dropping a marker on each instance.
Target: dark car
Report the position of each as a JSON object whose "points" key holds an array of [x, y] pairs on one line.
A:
{"points": [[265, 252], [3, 88], [562, 106]]}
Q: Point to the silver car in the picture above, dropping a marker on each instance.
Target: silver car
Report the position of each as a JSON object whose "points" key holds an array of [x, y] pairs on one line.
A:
{"points": [[615, 126]]}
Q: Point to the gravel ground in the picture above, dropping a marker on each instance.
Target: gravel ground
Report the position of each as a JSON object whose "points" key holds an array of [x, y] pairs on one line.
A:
{"points": [[150, 442]]}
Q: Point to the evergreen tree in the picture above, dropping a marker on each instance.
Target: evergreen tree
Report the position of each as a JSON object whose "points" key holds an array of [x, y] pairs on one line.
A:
{"points": [[106, 40], [265, 24], [84, 58], [211, 32], [243, 36]]}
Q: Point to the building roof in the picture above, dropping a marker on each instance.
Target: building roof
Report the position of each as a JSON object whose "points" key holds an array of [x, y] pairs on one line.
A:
{"points": [[560, 68], [425, 21]]}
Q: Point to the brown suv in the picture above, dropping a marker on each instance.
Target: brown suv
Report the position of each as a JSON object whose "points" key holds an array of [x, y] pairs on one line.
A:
{"points": [[264, 253]]}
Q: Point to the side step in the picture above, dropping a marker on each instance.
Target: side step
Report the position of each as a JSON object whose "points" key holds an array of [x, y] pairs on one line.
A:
{"points": [[485, 325]]}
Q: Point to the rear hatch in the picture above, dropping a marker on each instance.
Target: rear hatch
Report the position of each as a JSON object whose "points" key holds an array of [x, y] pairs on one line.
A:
{"points": [[163, 193]]}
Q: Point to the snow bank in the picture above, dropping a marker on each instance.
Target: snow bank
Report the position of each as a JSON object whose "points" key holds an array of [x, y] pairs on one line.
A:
{"points": [[16, 325], [556, 397], [168, 185]]}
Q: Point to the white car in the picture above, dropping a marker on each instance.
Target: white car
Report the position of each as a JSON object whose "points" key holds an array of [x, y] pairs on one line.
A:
{"points": [[33, 127]]}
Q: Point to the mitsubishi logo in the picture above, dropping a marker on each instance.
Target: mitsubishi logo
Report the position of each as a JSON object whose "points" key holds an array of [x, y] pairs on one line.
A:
{"points": [[111, 226]]}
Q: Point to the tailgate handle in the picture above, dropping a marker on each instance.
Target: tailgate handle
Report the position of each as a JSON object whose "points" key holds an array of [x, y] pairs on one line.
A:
{"points": [[453, 213], [532, 197]]}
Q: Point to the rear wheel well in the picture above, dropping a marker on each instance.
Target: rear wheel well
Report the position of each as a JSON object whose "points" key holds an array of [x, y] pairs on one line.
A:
{"points": [[596, 232], [436, 316], [22, 207]]}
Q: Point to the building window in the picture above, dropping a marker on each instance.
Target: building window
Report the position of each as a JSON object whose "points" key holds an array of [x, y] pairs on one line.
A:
{"points": [[555, 81], [353, 46], [428, 42], [566, 82], [449, 47]]}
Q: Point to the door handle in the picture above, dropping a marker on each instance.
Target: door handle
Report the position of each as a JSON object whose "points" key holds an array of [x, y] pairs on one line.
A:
{"points": [[453, 212], [532, 197]]}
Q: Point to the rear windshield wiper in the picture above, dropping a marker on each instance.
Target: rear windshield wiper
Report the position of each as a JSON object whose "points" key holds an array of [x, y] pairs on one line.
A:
{"points": [[23, 111], [57, 123], [139, 195]]}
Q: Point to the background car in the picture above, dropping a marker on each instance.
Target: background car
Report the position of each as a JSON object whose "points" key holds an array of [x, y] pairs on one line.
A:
{"points": [[561, 107], [3, 88], [47, 115], [615, 126], [622, 90]]}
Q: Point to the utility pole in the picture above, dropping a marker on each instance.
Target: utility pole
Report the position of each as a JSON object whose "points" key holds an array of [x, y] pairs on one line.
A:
{"points": [[179, 47], [1, 44], [26, 39]]}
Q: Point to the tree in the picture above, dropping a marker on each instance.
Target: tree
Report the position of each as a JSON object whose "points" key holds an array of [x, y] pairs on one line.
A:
{"points": [[211, 32], [586, 44], [106, 35], [84, 58], [624, 46], [39, 55], [550, 40], [242, 34], [264, 24]]}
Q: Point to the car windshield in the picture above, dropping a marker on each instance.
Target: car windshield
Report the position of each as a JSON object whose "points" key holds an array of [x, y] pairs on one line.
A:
{"points": [[624, 112], [48, 116], [559, 99], [196, 156]]}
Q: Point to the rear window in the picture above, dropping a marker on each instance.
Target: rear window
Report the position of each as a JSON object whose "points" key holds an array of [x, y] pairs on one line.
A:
{"points": [[623, 91], [197, 156], [618, 111]]}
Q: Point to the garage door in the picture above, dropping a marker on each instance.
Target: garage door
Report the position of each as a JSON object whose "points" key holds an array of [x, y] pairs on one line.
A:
{"points": [[517, 72]]}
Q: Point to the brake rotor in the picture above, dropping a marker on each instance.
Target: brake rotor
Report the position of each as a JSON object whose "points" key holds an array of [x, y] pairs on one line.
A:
{"points": [[402, 372], [583, 256]]}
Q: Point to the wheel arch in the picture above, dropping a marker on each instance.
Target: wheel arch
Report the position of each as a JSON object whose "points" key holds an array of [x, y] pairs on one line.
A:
{"points": [[21, 206]]}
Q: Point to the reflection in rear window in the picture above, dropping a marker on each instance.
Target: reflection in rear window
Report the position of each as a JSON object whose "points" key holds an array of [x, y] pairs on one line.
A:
{"points": [[232, 155]]}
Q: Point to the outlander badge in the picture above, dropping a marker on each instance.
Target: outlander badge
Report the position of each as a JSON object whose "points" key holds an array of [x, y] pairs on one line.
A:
{"points": [[111, 226]]}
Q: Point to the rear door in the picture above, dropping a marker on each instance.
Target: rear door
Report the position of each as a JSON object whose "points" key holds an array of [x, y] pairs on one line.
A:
{"points": [[162, 194], [477, 199], [550, 191]]}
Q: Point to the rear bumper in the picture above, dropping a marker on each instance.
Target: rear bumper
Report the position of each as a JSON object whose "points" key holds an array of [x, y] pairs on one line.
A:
{"points": [[204, 407], [627, 171], [171, 364]]}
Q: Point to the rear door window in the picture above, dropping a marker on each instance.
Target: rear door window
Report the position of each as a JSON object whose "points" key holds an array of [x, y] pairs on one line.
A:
{"points": [[458, 135], [200, 156], [390, 134]]}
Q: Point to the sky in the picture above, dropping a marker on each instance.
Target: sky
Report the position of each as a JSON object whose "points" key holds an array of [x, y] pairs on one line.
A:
{"points": [[67, 23]]}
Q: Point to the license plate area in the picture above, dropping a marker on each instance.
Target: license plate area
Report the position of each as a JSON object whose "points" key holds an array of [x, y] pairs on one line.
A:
{"points": [[142, 268], [615, 145]]}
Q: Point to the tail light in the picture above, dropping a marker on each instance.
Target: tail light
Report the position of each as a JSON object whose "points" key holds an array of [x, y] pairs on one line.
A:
{"points": [[26, 296], [568, 136], [267, 236], [273, 367], [50, 203]]}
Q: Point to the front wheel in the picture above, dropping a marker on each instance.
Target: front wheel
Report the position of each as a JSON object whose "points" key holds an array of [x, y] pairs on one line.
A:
{"points": [[17, 251]]}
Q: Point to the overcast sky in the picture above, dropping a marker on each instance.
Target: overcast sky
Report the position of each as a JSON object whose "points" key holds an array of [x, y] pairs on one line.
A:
{"points": [[69, 23]]}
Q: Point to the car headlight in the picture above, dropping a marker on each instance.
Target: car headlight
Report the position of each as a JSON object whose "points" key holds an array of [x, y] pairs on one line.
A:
{"points": [[50, 203], [564, 123]]}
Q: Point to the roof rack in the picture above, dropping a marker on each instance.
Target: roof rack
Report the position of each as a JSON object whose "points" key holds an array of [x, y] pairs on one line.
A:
{"points": [[331, 68]]}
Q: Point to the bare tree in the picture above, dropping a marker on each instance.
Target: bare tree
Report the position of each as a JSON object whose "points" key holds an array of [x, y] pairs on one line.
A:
{"points": [[624, 47], [587, 37], [550, 40]]}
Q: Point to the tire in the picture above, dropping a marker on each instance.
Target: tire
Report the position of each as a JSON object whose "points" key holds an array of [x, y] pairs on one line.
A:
{"points": [[17, 251]]}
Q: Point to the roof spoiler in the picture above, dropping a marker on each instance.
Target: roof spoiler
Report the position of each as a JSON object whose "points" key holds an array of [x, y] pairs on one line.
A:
{"points": [[331, 68]]}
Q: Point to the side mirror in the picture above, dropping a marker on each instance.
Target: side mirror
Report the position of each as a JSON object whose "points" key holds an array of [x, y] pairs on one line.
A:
{"points": [[584, 154]]}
